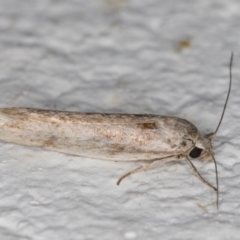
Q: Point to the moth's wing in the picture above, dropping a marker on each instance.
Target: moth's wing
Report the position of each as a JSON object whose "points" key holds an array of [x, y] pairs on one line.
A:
{"points": [[78, 117], [105, 136]]}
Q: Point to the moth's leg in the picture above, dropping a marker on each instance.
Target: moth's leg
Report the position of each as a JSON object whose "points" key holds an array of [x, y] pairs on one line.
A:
{"points": [[147, 165], [199, 175], [130, 173]]}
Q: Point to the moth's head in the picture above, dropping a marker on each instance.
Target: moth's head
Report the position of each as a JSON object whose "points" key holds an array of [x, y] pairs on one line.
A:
{"points": [[202, 149]]}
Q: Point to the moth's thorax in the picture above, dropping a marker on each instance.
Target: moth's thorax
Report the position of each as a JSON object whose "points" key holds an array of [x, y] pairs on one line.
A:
{"points": [[191, 142], [181, 128]]}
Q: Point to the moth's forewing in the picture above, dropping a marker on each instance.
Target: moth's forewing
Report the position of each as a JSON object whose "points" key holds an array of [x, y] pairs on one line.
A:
{"points": [[124, 137]]}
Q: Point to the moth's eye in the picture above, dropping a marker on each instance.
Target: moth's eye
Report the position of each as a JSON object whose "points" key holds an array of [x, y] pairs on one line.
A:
{"points": [[195, 153]]}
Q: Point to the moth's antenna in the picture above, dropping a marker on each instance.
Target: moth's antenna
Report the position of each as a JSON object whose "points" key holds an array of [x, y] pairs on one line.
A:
{"points": [[229, 90], [224, 108]]}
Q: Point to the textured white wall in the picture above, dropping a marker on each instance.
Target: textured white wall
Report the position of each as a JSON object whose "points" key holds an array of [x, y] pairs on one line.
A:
{"points": [[120, 56]]}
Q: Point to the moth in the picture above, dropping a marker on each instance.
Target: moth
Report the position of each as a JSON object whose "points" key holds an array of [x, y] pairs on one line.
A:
{"points": [[117, 137]]}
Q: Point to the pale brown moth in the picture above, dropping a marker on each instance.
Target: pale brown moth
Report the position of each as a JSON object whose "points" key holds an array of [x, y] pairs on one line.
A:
{"points": [[122, 137]]}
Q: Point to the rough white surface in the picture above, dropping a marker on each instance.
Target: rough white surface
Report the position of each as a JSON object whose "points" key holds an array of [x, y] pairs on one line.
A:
{"points": [[120, 56]]}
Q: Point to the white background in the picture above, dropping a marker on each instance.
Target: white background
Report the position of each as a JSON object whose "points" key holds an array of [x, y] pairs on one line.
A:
{"points": [[120, 56]]}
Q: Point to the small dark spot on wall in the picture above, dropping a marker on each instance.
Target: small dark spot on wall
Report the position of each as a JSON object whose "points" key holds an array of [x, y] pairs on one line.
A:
{"points": [[182, 44]]}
